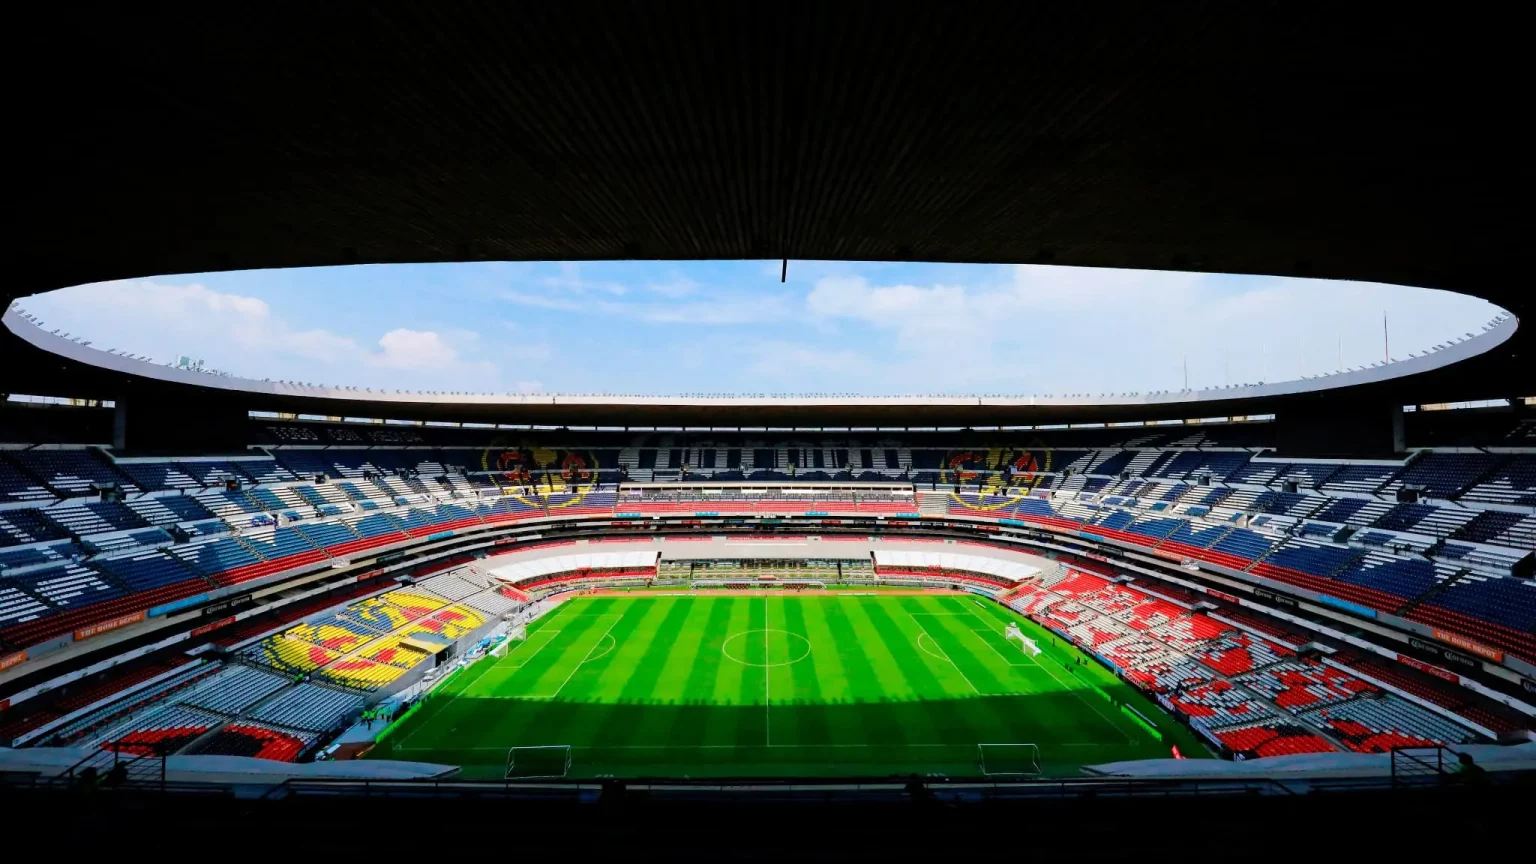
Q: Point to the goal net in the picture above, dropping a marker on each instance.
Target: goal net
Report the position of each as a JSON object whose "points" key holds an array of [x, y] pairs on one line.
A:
{"points": [[546, 762], [517, 633], [1016, 635], [1008, 760]]}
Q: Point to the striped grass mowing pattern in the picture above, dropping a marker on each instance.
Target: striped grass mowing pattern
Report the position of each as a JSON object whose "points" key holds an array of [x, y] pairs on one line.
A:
{"points": [[816, 684]]}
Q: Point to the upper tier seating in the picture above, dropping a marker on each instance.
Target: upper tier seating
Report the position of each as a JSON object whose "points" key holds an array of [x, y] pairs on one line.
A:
{"points": [[17, 557], [1514, 483], [95, 517], [159, 476], [67, 585], [17, 606], [1306, 475], [17, 486], [1364, 479], [265, 471], [1405, 578], [170, 509], [72, 472], [1510, 602], [143, 571], [28, 526], [1315, 558], [1442, 475], [1340, 510]]}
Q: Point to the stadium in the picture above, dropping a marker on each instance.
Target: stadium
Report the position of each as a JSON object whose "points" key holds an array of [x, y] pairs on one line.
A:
{"points": [[235, 595]]}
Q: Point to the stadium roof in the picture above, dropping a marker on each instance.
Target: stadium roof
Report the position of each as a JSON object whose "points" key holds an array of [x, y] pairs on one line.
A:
{"points": [[1247, 139]]}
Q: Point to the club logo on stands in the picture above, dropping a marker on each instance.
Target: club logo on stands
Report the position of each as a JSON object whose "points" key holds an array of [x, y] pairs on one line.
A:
{"points": [[1528, 684], [563, 470], [1444, 653], [1020, 467]]}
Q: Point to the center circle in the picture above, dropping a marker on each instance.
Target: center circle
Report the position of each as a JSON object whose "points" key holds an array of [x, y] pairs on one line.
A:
{"points": [[766, 647]]}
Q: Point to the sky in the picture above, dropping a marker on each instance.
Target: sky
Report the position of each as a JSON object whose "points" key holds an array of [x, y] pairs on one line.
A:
{"points": [[731, 327]]}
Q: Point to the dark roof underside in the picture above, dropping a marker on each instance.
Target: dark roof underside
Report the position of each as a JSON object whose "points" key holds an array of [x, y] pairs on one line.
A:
{"points": [[1232, 137]]}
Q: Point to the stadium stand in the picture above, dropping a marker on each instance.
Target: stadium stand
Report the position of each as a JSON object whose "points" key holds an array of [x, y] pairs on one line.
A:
{"points": [[49, 587], [72, 472], [256, 740], [1376, 725], [158, 732], [233, 690], [1271, 737], [310, 707]]}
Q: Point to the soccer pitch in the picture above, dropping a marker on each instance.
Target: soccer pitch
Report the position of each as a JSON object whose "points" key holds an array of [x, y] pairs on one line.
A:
{"points": [[819, 684]]}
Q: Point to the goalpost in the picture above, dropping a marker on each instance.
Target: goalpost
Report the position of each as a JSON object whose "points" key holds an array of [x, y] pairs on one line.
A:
{"points": [[517, 633], [1014, 634], [543, 762], [1008, 760]]}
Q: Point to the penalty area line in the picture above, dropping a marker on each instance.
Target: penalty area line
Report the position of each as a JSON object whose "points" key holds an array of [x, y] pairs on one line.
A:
{"points": [[584, 659], [1074, 691]]}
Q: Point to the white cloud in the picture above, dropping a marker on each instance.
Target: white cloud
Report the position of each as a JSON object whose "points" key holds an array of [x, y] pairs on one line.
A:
{"points": [[413, 349], [728, 309], [726, 327], [242, 335], [1052, 330], [676, 288], [571, 281]]}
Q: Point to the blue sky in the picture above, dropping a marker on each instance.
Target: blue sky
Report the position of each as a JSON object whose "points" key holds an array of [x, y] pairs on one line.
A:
{"points": [[731, 327]]}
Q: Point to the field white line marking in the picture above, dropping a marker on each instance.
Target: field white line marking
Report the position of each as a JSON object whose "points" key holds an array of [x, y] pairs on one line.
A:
{"points": [[584, 660], [928, 651], [745, 633], [1112, 724], [942, 651], [510, 656], [612, 644]]}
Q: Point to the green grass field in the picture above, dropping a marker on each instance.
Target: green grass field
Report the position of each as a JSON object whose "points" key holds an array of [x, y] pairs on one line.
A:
{"points": [[821, 684]]}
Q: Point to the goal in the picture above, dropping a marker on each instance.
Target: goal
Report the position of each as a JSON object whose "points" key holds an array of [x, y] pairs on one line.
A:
{"points": [[517, 633], [1008, 760], [543, 762], [1014, 634]]}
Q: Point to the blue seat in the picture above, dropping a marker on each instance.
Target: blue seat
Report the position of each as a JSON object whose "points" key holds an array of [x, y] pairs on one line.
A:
{"points": [[144, 571]]}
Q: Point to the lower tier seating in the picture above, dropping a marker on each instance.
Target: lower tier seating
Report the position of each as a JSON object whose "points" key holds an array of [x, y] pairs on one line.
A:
{"points": [[233, 690], [255, 740], [157, 733], [1272, 737], [310, 707], [1297, 685], [1377, 725]]}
